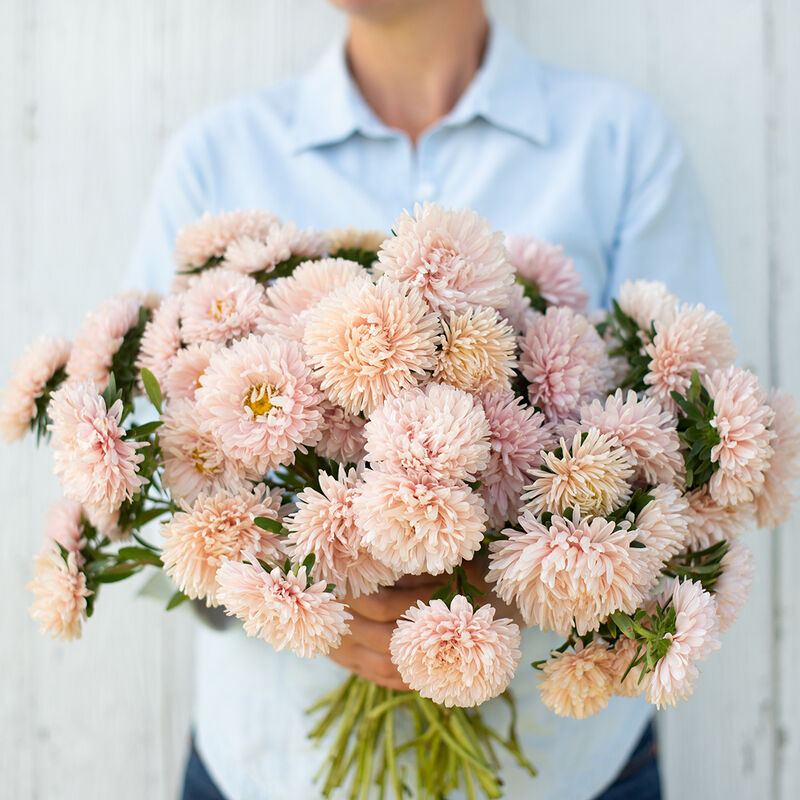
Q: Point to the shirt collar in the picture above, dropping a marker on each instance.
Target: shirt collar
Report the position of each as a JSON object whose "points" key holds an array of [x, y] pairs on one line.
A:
{"points": [[507, 91]]}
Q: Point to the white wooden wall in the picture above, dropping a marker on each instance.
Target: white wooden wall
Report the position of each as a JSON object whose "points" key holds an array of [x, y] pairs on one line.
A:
{"points": [[88, 92]]}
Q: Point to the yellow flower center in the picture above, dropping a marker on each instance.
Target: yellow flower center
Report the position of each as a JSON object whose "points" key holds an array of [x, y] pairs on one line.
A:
{"points": [[221, 308], [259, 398], [200, 463]]}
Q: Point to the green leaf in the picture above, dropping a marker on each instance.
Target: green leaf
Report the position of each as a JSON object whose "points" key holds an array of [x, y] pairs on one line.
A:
{"points": [[143, 431], [271, 525], [132, 553], [152, 388], [176, 599], [308, 561]]}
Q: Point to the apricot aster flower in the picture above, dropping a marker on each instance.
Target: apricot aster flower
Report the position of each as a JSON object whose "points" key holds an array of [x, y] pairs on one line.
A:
{"points": [[517, 436], [101, 335], [29, 378], [476, 351], [162, 339], [662, 526], [290, 299], [457, 656], [59, 589], [545, 266], [214, 530], [438, 432], [342, 434], [65, 526], [624, 652], [282, 608], [694, 339], [209, 237], [733, 587], [568, 572], [324, 524], [648, 302], [648, 434], [774, 502], [193, 461], [695, 637], [450, 256], [577, 684], [709, 522], [258, 400], [220, 306], [97, 465], [592, 474], [183, 377], [416, 526], [368, 341], [742, 419], [564, 361]]}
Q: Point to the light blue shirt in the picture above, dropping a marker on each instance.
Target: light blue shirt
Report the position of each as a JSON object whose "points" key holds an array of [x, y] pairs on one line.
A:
{"points": [[581, 161]]}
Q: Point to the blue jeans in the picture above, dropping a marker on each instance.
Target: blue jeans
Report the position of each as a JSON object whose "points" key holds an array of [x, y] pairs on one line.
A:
{"points": [[638, 780]]}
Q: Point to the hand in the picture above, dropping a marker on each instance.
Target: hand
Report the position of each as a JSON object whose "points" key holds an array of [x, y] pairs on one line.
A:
{"points": [[365, 650]]}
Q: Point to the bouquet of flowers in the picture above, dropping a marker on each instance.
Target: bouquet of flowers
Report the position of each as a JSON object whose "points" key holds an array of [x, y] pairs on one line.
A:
{"points": [[333, 411]]}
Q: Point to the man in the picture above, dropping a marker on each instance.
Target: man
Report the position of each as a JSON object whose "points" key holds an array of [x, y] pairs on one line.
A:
{"points": [[427, 100]]}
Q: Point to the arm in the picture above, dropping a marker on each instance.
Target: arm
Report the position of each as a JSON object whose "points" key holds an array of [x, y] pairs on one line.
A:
{"points": [[663, 232]]}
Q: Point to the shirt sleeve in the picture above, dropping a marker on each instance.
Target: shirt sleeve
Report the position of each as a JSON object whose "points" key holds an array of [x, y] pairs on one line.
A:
{"points": [[179, 195], [663, 231]]}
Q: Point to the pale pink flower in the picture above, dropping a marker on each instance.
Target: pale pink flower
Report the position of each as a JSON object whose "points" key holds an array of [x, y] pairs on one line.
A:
{"points": [[368, 341], [438, 431], [648, 302], [416, 526], [279, 244], [65, 526], [592, 474], [695, 637], [774, 502], [457, 656], [221, 306], [282, 608], [324, 524], [214, 530], [476, 351], [100, 336], [29, 378], [97, 465], [709, 522], [343, 436], [59, 590], [624, 652], [162, 339], [648, 434], [519, 313], [290, 299], [193, 461], [258, 400], [451, 256], [732, 588], [568, 572], [208, 238], [662, 526], [517, 436], [577, 684], [106, 522], [695, 339], [545, 266], [183, 377], [564, 361], [742, 419], [351, 238]]}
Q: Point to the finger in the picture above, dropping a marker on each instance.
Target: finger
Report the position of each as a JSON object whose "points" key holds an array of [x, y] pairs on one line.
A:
{"points": [[390, 603], [369, 633], [375, 667], [412, 581]]}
